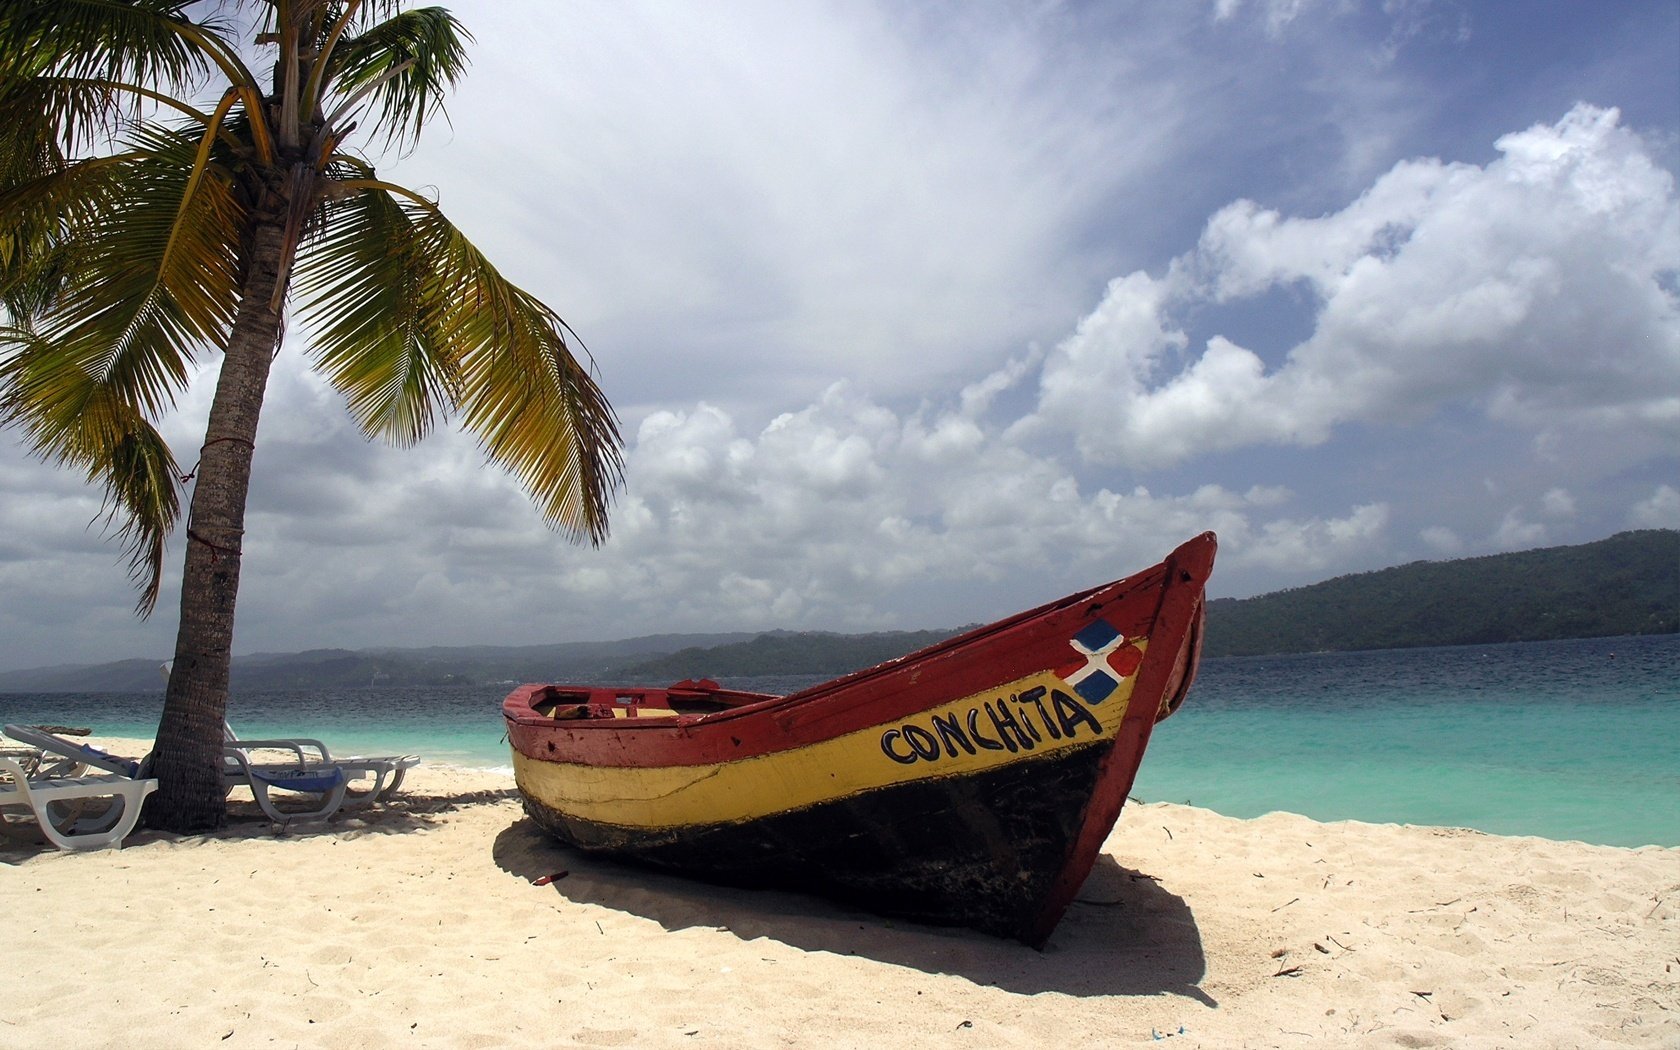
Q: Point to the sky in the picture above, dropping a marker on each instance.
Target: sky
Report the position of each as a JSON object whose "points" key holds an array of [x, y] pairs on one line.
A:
{"points": [[918, 314]]}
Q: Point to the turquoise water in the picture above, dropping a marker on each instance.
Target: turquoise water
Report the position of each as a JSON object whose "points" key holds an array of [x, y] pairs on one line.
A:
{"points": [[1565, 740]]}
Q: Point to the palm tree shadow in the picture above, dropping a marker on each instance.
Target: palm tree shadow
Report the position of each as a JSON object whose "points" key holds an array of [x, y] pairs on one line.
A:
{"points": [[408, 812], [1125, 935]]}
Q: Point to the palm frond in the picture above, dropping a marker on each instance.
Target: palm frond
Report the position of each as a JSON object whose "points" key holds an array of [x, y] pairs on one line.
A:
{"points": [[112, 442], [140, 473], [534, 405], [42, 118], [154, 276], [361, 286], [39, 241], [539, 412], [409, 313], [405, 64], [92, 47]]}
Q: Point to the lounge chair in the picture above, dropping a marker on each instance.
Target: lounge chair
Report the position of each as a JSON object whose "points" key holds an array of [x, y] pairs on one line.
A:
{"points": [[385, 771], [73, 832], [68, 757], [326, 783], [323, 784], [27, 757]]}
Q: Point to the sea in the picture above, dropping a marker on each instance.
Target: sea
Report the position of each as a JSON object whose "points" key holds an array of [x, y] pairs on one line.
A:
{"points": [[1571, 740]]}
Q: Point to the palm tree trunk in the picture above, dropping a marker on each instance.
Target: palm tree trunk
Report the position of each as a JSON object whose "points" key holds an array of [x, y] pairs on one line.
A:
{"points": [[187, 759]]}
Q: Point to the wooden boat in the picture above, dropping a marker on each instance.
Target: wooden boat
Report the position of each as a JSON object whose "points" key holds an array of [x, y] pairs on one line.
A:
{"points": [[971, 783]]}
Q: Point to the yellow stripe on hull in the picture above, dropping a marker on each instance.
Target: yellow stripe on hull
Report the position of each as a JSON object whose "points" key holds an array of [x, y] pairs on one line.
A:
{"points": [[977, 733]]}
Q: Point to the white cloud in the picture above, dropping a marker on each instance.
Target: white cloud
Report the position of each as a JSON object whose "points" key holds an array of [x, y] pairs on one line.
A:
{"points": [[1318, 545], [1557, 503], [842, 515], [1660, 511], [1442, 540], [848, 497], [806, 190], [1538, 289], [1277, 14], [1516, 533]]}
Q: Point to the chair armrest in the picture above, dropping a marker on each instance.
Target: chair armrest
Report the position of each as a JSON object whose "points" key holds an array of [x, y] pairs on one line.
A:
{"points": [[296, 745], [11, 771], [237, 753]]}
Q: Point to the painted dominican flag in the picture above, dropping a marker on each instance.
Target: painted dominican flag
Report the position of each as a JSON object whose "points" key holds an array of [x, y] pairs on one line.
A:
{"points": [[1107, 662]]}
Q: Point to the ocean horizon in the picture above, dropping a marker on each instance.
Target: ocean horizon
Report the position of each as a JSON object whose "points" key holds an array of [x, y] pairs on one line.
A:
{"points": [[1567, 740]]}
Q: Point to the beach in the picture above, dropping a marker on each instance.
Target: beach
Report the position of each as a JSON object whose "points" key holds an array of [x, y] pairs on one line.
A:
{"points": [[421, 922]]}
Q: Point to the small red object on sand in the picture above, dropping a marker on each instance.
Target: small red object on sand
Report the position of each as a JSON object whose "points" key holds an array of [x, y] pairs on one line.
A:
{"points": [[546, 879]]}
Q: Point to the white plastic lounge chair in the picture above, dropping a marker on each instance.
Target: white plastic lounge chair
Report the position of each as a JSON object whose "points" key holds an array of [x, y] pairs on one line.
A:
{"points": [[70, 758], [326, 783], [386, 772], [39, 794], [27, 757], [323, 785]]}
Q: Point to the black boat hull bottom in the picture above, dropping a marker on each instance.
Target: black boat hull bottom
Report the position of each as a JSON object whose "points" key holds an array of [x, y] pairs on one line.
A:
{"points": [[981, 850]]}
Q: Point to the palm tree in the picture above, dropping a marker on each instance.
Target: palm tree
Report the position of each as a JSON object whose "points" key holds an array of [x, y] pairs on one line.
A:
{"points": [[159, 204]]}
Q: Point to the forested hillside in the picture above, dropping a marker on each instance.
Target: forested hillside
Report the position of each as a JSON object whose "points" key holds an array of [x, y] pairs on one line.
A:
{"points": [[1627, 584], [783, 652]]}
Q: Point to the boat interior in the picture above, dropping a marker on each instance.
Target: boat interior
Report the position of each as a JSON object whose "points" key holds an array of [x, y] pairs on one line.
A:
{"points": [[564, 702]]}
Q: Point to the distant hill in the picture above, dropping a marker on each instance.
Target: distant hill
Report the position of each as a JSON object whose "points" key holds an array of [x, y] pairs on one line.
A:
{"points": [[1627, 584], [785, 653], [347, 669], [123, 676], [458, 664]]}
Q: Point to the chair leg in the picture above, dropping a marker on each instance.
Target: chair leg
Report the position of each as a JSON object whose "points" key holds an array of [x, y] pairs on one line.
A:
{"points": [[330, 801], [396, 782], [374, 793], [109, 829], [86, 815]]}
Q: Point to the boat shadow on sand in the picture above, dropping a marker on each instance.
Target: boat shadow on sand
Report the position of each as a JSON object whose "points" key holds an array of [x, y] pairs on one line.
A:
{"points": [[1125, 934]]}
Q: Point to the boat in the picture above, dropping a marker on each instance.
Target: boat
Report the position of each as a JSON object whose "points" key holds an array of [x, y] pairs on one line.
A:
{"points": [[971, 783]]}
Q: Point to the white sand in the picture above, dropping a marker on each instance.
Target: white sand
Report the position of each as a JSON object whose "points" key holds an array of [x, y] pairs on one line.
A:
{"points": [[418, 924]]}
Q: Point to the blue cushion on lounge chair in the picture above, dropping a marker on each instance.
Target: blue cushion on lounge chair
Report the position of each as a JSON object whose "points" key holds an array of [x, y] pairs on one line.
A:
{"points": [[316, 780], [105, 760]]}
